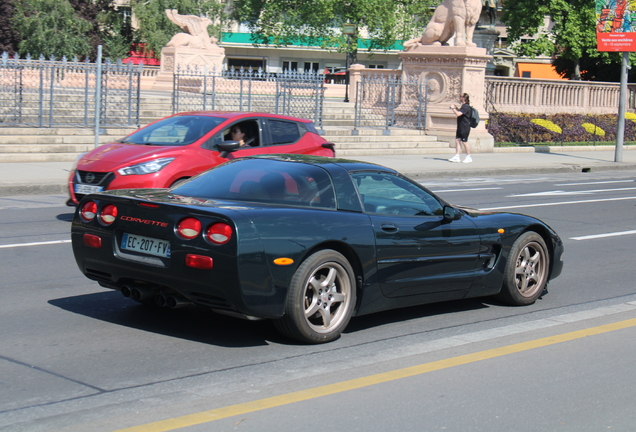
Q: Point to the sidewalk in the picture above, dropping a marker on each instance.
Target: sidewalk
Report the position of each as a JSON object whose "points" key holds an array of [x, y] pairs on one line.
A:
{"points": [[507, 160], [51, 177]]}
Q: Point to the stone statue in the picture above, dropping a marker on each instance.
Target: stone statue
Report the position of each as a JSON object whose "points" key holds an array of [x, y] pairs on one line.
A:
{"points": [[491, 10], [452, 17], [196, 29]]}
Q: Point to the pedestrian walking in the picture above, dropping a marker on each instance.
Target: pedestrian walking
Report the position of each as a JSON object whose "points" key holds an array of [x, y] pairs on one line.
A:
{"points": [[463, 114]]}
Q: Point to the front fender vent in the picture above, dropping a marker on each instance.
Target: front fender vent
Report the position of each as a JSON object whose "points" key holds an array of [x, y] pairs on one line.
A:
{"points": [[489, 260]]}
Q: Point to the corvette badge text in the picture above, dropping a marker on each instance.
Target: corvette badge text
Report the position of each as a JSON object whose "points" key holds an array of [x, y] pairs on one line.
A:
{"points": [[144, 221]]}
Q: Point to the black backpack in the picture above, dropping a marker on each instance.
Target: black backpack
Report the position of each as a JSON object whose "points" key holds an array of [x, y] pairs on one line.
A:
{"points": [[474, 117]]}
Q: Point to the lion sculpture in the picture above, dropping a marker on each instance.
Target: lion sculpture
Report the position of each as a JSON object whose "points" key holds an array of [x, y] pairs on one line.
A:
{"points": [[196, 29], [452, 17]]}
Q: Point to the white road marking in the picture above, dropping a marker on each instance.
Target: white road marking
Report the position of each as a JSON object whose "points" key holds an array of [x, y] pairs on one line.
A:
{"points": [[598, 182], [548, 193], [462, 190], [479, 181], [595, 236], [33, 244], [559, 192], [557, 203]]}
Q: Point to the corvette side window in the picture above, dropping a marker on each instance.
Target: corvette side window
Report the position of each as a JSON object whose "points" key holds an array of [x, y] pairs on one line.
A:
{"points": [[383, 193]]}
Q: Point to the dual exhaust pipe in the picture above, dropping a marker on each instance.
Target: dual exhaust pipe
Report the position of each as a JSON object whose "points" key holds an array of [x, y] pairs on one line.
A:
{"points": [[171, 301], [142, 294]]}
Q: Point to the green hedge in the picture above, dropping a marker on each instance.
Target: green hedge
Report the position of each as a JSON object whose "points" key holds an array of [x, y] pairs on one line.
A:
{"points": [[558, 128]]}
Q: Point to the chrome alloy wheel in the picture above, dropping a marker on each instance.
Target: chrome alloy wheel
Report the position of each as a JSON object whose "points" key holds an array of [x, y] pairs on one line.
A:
{"points": [[531, 269], [327, 297]]}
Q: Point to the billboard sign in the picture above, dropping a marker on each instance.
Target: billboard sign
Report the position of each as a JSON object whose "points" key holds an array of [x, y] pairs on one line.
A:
{"points": [[614, 31]]}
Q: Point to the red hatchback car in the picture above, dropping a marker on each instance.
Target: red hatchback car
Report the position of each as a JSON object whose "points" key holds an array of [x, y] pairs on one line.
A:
{"points": [[175, 148]]}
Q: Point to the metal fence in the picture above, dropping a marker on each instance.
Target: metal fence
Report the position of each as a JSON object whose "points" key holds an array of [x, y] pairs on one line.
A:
{"points": [[50, 93], [390, 101], [295, 94]]}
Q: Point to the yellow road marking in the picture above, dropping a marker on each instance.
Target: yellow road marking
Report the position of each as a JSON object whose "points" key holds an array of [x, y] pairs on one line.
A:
{"points": [[289, 398]]}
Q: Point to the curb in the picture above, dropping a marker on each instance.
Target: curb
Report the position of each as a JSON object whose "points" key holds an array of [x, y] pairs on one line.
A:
{"points": [[519, 170], [559, 149]]}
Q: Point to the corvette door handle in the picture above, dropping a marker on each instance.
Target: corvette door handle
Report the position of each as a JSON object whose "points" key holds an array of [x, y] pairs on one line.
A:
{"points": [[389, 227]]}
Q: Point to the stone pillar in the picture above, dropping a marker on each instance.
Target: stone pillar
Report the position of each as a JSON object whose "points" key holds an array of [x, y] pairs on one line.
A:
{"points": [[173, 58], [355, 75], [451, 71]]}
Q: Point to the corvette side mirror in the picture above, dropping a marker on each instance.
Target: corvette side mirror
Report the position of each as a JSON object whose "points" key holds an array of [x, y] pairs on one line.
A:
{"points": [[451, 214]]}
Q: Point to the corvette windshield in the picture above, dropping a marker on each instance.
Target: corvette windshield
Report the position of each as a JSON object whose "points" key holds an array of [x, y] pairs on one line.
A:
{"points": [[265, 181], [174, 131]]}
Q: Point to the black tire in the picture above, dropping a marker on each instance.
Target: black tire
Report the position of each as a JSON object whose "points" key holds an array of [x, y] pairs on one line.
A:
{"points": [[527, 269], [321, 299]]}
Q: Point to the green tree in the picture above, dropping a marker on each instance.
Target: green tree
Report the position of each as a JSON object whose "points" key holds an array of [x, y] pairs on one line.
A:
{"points": [[50, 28], [156, 30], [9, 36], [571, 35], [604, 66], [110, 27], [116, 33], [319, 22]]}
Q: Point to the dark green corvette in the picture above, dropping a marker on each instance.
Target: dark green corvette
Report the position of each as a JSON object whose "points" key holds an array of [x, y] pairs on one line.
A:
{"points": [[308, 242]]}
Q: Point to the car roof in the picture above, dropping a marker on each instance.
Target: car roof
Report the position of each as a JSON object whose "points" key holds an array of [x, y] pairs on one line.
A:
{"points": [[233, 115], [347, 164]]}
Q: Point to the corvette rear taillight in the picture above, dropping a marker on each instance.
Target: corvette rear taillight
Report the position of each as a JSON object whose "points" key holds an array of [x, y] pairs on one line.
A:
{"points": [[93, 241], [199, 261], [189, 228], [219, 233], [108, 215], [88, 211]]}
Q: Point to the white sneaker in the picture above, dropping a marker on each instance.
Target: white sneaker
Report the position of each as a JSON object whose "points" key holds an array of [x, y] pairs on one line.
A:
{"points": [[468, 159], [454, 158]]}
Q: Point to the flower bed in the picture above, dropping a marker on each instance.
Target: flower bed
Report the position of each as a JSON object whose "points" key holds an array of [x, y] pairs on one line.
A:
{"points": [[558, 128]]}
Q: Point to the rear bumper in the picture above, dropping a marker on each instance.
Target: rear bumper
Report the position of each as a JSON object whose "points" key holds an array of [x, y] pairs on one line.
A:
{"points": [[219, 289]]}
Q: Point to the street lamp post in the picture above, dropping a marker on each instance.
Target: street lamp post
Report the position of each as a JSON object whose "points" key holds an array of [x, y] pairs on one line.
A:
{"points": [[349, 30]]}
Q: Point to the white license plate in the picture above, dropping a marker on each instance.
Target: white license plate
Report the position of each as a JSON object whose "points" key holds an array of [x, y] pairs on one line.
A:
{"points": [[146, 245], [87, 189]]}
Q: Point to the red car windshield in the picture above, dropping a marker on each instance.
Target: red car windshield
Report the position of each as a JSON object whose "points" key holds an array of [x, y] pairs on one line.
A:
{"points": [[174, 131]]}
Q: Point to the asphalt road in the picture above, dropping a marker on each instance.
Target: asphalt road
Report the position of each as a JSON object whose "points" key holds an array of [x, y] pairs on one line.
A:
{"points": [[77, 357]]}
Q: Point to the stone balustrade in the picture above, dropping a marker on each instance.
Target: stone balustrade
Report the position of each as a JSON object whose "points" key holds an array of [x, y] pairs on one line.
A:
{"points": [[545, 96], [536, 96]]}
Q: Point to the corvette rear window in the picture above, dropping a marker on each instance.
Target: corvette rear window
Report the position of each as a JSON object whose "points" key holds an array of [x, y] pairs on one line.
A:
{"points": [[174, 131], [264, 181]]}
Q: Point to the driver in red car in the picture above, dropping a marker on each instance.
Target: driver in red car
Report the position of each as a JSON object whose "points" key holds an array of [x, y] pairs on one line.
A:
{"points": [[238, 134]]}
